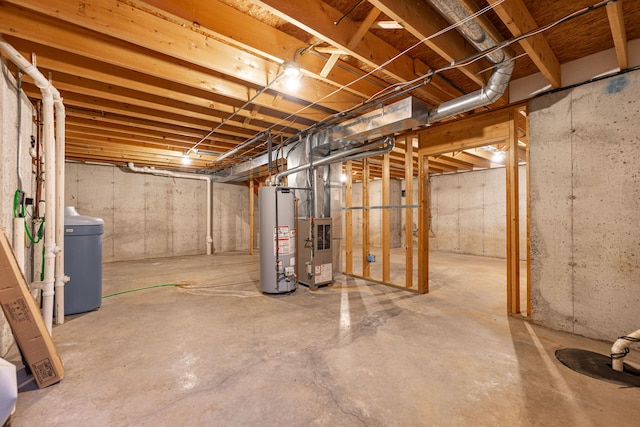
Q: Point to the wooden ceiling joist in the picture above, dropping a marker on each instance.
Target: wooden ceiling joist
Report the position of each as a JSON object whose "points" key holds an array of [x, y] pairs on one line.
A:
{"points": [[518, 19], [133, 25], [616, 21], [318, 18]]}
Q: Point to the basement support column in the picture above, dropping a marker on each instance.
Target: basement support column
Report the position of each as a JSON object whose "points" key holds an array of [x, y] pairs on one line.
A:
{"points": [[348, 218], [513, 219], [423, 224], [408, 219]]}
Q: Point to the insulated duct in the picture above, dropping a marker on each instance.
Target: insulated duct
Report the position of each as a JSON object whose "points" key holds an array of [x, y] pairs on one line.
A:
{"points": [[454, 12]]}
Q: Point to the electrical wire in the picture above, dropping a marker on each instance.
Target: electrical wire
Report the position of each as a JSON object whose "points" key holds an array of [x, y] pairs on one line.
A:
{"points": [[232, 115], [465, 61], [379, 67], [144, 288], [349, 12], [425, 79]]}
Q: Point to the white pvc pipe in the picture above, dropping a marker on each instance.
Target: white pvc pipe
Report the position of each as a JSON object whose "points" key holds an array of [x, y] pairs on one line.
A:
{"points": [[48, 137], [153, 171], [621, 348], [18, 241], [60, 277]]}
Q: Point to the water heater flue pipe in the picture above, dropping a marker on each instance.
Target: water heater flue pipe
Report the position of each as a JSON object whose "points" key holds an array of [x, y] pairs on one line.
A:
{"points": [[50, 98], [621, 348], [160, 172]]}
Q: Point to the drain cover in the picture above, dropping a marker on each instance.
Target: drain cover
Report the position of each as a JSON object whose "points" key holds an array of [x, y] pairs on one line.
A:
{"points": [[598, 366]]}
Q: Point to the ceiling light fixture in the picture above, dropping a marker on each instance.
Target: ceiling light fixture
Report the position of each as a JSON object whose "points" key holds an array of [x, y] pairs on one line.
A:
{"points": [[498, 156], [186, 160], [291, 69]]}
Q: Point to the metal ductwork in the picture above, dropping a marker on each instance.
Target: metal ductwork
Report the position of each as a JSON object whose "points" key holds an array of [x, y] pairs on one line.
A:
{"points": [[351, 138], [454, 12]]}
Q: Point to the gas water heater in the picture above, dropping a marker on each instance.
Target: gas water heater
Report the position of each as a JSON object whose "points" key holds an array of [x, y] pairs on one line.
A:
{"points": [[277, 240]]}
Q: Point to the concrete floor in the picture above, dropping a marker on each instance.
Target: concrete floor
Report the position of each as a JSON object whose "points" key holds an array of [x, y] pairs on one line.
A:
{"points": [[217, 352]]}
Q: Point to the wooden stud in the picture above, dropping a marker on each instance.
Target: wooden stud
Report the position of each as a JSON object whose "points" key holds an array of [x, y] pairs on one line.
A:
{"points": [[423, 224], [408, 222], [386, 219], [366, 270], [513, 220], [349, 218], [251, 213], [528, 218]]}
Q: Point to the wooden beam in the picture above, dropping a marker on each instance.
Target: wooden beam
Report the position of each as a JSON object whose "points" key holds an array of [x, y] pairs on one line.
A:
{"points": [[76, 69], [616, 22], [513, 221], [75, 84], [317, 18], [349, 218], [408, 219], [386, 220], [240, 29], [188, 44], [49, 33], [518, 20], [84, 101], [422, 21], [477, 161], [470, 132]]}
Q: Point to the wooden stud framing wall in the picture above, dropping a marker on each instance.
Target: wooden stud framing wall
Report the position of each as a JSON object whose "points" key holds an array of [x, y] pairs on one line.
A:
{"points": [[498, 126]]}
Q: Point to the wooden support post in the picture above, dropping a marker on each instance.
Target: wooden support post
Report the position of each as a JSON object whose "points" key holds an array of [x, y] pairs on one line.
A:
{"points": [[408, 219], [386, 218], [349, 218], [366, 270], [513, 219], [528, 217], [423, 224], [251, 214]]}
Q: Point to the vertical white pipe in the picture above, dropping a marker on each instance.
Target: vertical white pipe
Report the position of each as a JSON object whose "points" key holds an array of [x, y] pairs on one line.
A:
{"points": [[18, 241], [50, 174], [209, 218], [60, 277], [159, 172], [50, 213]]}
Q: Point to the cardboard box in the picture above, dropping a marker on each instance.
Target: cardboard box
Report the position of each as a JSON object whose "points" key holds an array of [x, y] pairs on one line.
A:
{"points": [[25, 320]]}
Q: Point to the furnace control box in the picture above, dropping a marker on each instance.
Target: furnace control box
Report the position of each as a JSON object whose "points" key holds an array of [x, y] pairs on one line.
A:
{"points": [[315, 254]]}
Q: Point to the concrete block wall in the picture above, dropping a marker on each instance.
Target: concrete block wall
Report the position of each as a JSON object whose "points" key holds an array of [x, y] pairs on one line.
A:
{"points": [[468, 213], [9, 168], [585, 199], [149, 216]]}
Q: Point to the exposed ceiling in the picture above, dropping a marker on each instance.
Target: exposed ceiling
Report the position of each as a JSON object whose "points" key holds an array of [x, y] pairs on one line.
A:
{"points": [[145, 82]]}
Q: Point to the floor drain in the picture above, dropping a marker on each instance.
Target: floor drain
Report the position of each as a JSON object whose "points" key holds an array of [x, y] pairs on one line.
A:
{"points": [[598, 366]]}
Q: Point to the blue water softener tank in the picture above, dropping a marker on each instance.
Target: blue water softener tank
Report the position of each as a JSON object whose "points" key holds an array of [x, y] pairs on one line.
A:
{"points": [[82, 261]]}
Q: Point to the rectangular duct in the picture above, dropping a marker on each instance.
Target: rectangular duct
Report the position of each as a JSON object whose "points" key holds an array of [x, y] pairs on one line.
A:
{"points": [[390, 119]]}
